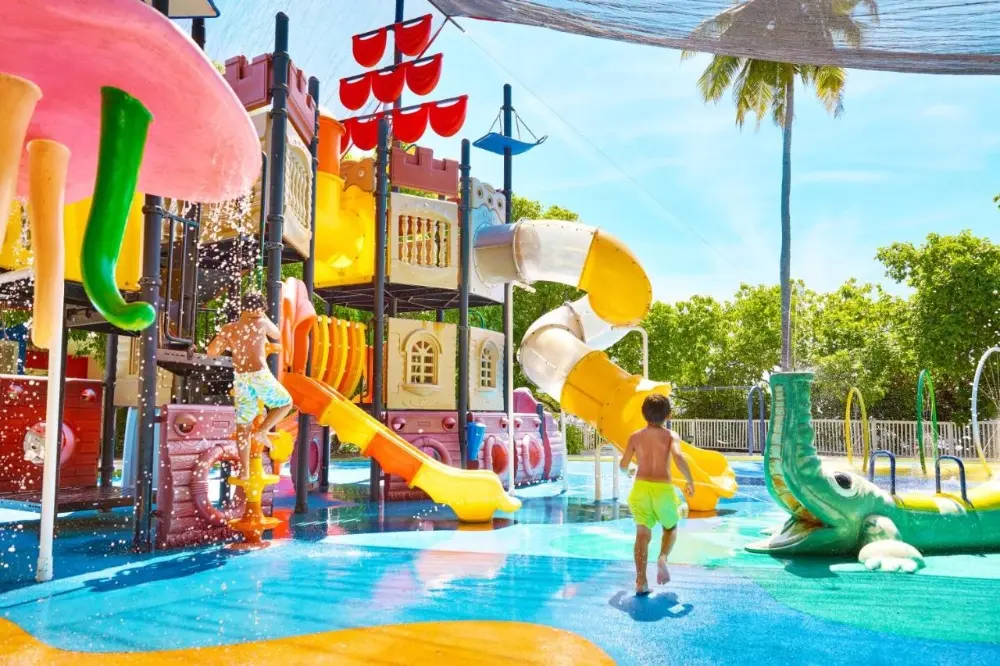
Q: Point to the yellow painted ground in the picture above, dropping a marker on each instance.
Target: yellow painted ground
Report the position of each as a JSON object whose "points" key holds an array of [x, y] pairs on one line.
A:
{"points": [[437, 643]]}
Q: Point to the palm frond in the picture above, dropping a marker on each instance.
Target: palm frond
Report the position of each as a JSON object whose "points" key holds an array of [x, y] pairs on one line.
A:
{"points": [[784, 75], [718, 75], [830, 83], [753, 90]]}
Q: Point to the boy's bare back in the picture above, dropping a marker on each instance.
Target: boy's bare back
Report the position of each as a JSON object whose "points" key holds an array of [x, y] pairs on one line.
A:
{"points": [[247, 339], [654, 447]]}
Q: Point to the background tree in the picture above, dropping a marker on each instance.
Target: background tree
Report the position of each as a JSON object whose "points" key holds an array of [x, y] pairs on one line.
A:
{"points": [[762, 87], [953, 314]]}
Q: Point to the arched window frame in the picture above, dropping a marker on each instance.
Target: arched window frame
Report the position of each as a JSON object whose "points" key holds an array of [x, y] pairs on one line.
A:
{"points": [[433, 360], [491, 372]]}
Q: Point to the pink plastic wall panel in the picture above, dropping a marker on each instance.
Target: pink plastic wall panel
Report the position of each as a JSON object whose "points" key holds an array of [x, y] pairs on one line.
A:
{"points": [[435, 433], [423, 172], [193, 438], [252, 83]]}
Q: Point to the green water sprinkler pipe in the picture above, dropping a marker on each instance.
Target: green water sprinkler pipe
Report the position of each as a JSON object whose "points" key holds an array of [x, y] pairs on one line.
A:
{"points": [[124, 128], [925, 383]]}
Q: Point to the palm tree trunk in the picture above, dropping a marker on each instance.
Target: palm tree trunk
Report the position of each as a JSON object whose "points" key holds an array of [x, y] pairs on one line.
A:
{"points": [[786, 227]]}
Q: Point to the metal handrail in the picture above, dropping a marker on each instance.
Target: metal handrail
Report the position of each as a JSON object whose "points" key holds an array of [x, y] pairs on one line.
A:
{"points": [[189, 227], [892, 468], [961, 475]]}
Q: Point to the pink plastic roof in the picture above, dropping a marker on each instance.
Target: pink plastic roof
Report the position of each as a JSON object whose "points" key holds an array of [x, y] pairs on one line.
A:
{"points": [[202, 145]]}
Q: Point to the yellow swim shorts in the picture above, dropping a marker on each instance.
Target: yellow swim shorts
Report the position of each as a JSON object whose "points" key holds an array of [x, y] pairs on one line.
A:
{"points": [[653, 502]]}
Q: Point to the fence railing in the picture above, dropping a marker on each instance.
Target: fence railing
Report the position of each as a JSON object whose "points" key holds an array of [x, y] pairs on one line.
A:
{"points": [[899, 437]]}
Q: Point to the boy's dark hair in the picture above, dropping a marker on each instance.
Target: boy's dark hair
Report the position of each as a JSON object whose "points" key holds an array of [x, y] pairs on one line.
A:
{"points": [[253, 301], [656, 409]]}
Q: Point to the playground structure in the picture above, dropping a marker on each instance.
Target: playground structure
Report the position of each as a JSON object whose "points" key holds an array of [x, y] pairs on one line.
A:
{"points": [[838, 512], [183, 258], [290, 198]]}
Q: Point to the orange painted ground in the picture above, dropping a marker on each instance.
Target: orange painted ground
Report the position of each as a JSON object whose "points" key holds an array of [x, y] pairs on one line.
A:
{"points": [[438, 643]]}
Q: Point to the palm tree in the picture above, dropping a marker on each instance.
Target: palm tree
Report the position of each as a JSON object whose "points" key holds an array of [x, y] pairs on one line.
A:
{"points": [[764, 87]]}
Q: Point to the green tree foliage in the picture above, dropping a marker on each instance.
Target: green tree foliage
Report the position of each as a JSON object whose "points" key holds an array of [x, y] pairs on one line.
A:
{"points": [[952, 315], [861, 339]]}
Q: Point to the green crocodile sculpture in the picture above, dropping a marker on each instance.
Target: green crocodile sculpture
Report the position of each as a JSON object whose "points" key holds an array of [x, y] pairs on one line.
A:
{"points": [[838, 513]]}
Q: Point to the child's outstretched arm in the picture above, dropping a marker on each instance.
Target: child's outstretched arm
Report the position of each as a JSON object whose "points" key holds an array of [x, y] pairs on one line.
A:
{"points": [[271, 331], [682, 464]]}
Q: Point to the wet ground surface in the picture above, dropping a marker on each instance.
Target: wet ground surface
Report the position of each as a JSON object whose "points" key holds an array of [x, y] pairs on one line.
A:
{"points": [[563, 561]]}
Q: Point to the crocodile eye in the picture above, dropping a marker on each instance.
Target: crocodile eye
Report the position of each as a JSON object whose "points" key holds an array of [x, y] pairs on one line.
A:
{"points": [[846, 486]]}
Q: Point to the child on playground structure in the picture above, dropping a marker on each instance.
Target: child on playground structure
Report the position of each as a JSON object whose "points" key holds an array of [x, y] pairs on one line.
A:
{"points": [[653, 499], [246, 339]]}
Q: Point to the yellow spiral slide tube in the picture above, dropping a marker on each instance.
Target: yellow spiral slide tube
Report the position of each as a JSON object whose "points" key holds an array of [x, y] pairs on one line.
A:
{"points": [[561, 350]]}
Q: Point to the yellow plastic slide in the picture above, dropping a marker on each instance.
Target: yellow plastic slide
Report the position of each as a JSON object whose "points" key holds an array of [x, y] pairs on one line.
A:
{"points": [[474, 495], [561, 350]]}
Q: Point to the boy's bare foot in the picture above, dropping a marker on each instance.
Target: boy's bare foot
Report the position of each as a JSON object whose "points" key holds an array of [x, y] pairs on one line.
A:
{"points": [[662, 573], [263, 439], [641, 587]]}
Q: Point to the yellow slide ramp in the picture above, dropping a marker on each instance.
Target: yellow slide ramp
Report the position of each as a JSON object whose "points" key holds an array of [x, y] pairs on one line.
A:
{"points": [[603, 394], [474, 495]]}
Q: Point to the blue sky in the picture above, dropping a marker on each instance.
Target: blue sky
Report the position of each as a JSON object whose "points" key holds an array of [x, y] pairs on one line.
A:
{"points": [[634, 150]]}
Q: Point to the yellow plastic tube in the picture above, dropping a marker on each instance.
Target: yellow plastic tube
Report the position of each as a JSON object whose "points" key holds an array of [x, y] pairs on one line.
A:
{"points": [[320, 346], [358, 358], [339, 345], [18, 98], [14, 254], [345, 233], [48, 164], [603, 394]]}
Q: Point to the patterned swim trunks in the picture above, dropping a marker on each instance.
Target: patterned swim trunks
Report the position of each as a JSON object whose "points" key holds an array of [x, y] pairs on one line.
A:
{"points": [[254, 387]]}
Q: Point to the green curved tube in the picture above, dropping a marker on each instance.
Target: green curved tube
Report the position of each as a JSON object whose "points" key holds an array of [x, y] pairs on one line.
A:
{"points": [[925, 383], [124, 126]]}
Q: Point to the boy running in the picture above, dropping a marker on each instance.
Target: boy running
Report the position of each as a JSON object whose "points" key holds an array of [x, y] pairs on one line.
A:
{"points": [[653, 499]]}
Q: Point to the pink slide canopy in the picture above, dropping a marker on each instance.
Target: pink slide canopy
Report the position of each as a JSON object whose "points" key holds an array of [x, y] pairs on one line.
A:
{"points": [[202, 145]]}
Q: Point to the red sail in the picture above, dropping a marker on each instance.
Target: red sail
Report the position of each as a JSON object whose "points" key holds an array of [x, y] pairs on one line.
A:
{"points": [[422, 75], [387, 84], [414, 35], [355, 90], [364, 131], [448, 116], [408, 125], [369, 47]]}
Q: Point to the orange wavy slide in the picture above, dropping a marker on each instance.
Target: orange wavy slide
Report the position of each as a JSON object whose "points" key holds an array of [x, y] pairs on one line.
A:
{"points": [[474, 495]]}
